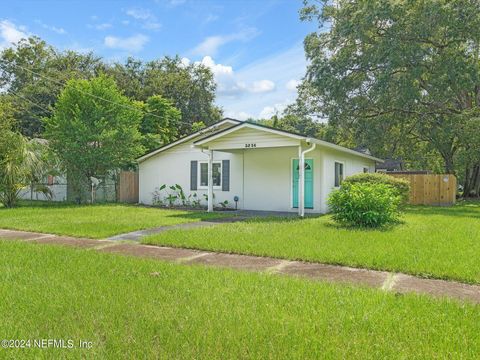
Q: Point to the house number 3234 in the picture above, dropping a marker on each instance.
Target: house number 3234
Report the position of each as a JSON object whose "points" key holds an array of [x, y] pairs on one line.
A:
{"points": [[250, 145]]}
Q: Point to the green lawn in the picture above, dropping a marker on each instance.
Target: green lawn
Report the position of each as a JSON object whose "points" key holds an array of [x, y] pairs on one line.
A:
{"points": [[441, 242], [93, 221], [136, 308]]}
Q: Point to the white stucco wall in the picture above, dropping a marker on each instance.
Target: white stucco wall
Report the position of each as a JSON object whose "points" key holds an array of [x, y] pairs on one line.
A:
{"points": [[268, 183], [268, 176], [173, 167], [352, 165], [261, 177]]}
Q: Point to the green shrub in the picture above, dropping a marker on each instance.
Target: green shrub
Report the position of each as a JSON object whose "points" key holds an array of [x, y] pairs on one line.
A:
{"points": [[365, 204], [401, 186]]}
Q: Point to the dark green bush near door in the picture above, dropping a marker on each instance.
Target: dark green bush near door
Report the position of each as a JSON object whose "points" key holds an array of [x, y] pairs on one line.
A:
{"points": [[365, 204]]}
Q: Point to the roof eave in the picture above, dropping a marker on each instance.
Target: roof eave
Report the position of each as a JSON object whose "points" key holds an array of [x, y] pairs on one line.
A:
{"points": [[186, 138], [343, 149], [242, 125]]}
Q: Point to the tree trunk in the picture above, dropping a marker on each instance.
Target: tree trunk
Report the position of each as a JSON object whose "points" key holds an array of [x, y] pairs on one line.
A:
{"points": [[449, 166], [476, 184], [467, 183], [471, 185]]}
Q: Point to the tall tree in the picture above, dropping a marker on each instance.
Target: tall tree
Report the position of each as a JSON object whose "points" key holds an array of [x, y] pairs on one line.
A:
{"points": [[34, 73], [289, 121], [190, 87], [409, 68], [94, 130], [160, 122], [18, 161], [130, 77]]}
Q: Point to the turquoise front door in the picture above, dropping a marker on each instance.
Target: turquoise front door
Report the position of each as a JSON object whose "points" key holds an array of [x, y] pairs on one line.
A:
{"points": [[308, 195]]}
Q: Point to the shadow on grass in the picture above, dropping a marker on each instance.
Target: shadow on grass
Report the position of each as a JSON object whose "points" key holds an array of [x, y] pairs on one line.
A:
{"points": [[281, 219], [41, 204], [463, 209], [229, 217], [63, 204]]}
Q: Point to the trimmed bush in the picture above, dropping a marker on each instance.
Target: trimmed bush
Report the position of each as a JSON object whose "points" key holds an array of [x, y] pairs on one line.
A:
{"points": [[365, 204], [401, 186]]}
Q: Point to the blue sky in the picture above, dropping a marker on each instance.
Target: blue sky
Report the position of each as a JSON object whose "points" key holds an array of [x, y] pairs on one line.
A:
{"points": [[253, 47]]}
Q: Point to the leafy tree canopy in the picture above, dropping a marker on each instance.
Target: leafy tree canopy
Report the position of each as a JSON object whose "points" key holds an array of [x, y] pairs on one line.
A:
{"points": [[190, 87], [403, 76], [34, 73], [93, 136], [160, 122]]}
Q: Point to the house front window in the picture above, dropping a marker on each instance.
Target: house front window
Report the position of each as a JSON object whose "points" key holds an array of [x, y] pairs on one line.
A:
{"points": [[216, 174], [338, 173]]}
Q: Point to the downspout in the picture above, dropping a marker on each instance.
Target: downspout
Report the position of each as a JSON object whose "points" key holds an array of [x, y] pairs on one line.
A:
{"points": [[301, 179], [210, 181]]}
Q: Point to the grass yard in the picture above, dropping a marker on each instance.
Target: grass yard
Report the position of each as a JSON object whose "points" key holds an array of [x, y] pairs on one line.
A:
{"points": [[93, 221], [138, 308], [440, 242]]}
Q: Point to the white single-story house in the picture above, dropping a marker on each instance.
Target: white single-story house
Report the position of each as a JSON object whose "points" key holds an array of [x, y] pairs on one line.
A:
{"points": [[256, 165]]}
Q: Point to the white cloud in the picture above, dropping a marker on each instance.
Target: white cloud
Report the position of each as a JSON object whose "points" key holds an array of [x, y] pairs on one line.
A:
{"points": [[11, 33], [210, 45], [152, 25], [252, 91], [102, 26], [55, 29], [217, 69], [210, 18], [185, 61], [139, 13], [292, 84], [241, 115], [76, 46], [177, 2], [145, 17], [228, 83], [262, 86], [132, 43], [268, 111], [279, 68]]}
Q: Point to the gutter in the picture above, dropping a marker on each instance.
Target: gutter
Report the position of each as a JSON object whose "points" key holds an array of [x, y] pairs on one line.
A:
{"points": [[301, 187]]}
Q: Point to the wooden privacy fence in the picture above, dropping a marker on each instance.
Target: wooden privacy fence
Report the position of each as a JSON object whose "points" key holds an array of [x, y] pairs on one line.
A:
{"points": [[431, 189], [128, 187]]}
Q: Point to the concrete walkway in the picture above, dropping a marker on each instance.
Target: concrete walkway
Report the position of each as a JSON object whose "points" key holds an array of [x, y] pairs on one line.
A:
{"points": [[386, 281], [137, 235]]}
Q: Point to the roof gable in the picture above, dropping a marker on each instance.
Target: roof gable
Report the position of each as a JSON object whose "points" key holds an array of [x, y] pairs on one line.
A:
{"points": [[247, 133], [234, 130], [230, 130], [209, 130]]}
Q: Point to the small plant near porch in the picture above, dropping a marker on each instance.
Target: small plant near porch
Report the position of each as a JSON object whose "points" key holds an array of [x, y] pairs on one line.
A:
{"points": [[365, 204], [173, 196]]}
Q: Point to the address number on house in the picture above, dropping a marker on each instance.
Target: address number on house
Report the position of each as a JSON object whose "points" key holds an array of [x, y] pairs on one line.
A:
{"points": [[250, 145]]}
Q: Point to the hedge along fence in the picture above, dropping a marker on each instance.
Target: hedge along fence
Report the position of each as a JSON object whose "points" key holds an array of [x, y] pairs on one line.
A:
{"points": [[430, 189]]}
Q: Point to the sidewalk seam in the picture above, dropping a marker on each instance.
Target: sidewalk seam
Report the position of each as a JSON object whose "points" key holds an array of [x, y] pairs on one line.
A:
{"points": [[190, 258], [390, 282]]}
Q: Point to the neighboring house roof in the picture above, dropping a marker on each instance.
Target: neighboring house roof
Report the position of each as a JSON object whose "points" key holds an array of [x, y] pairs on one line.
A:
{"points": [[208, 129], [393, 165], [237, 125]]}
